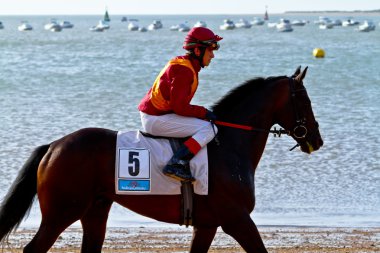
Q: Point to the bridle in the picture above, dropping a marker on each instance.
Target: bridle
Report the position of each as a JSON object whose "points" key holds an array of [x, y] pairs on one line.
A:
{"points": [[299, 131]]}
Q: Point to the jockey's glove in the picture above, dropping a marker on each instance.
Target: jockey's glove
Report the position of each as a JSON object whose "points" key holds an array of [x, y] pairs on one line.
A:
{"points": [[210, 116]]}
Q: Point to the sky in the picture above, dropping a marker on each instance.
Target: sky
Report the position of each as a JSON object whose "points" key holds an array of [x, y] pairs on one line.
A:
{"points": [[121, 7]]}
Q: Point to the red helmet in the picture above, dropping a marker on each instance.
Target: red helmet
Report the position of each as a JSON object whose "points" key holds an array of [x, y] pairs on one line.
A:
{"points": [[201, 37]]}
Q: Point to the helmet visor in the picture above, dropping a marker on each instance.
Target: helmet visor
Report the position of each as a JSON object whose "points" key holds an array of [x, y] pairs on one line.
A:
{"points": [[212, 44]]}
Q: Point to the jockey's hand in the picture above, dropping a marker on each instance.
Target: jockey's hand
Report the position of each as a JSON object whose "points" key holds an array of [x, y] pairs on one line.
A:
{"points": [[210, 116]]}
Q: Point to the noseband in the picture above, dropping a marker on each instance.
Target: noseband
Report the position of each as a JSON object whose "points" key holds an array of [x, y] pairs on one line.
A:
{"points": [[299, 131]]}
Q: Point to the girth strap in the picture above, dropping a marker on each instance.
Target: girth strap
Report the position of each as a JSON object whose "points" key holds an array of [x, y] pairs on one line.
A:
{"points": [[187, 191]]}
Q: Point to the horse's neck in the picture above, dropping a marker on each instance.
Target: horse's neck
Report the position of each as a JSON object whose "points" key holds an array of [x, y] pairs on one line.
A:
{"points": [[244, 144], [250, 144]]}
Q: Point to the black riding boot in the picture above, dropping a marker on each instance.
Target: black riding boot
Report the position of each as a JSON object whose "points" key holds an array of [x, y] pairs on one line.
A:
{"points": [[179, 165]]}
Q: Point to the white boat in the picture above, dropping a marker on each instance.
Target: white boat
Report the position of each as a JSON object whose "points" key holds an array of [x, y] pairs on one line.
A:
{"points": [[322, 20], [155, 25], [142, 29], [299, 22], [200, 23], [349, 22], [25, 26], [174, 28], [243, 24], [56, 28], [367, 26], [257, 21], [53, 26], [1, 25], [326, 25], [228, 25], [272, 25], [284, 26], [96, 29], [183, 28], [103, 24], [133, 26], [66, 25]]}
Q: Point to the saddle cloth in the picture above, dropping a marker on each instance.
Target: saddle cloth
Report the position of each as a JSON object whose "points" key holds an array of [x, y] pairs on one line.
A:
{"points": [[139, 164]]}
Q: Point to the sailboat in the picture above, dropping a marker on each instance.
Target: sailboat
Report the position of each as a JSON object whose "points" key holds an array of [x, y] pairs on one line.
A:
{"points": [[106, 17], [266, 13]]}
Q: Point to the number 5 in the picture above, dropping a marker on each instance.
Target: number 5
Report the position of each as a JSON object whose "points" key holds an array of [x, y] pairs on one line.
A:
{"points": [[133, 160]]}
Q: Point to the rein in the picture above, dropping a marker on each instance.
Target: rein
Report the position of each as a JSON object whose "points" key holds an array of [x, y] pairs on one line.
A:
{"points": [[299, 132], [276, 132]]}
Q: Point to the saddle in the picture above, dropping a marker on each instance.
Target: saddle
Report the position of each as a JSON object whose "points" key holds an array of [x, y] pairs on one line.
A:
{"points": [[140, 158]]}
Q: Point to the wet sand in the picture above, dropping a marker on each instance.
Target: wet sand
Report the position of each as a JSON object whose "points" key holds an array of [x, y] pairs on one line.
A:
{"points": [[177, 239]]}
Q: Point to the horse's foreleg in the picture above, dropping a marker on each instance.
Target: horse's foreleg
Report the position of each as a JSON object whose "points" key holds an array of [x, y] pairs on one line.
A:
{"points": [[245, 232], [202, 239], [94, 224]]}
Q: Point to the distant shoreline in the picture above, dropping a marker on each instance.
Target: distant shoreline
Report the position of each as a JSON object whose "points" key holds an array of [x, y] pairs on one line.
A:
{"points": [[334, 12], [344, 12]]}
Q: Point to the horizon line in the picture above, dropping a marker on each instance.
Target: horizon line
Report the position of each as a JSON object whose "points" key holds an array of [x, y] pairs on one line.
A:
{"points": [[183, 14]]}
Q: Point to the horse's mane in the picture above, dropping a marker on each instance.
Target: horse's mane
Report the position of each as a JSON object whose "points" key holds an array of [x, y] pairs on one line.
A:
{"points": [[239, 93]]}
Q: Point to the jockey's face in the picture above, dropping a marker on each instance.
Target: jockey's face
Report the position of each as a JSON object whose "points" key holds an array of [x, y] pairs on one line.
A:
{"points": [[209, 54]]}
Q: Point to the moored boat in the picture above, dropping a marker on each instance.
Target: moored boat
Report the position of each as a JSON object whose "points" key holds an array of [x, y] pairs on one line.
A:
{"points": [[284, 26], [66, 25], [227, 25], [243, 24], [367, 26], [257, 21], [25, 26], [133, 25], [156, 24], [200, 23]]}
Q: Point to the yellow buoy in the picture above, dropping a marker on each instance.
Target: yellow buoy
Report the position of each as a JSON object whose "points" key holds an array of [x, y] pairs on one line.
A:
{"points": [[318, 53]]}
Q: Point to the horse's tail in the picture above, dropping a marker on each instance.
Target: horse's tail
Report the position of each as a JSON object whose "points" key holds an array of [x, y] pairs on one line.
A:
{"points": [[20, 197]]}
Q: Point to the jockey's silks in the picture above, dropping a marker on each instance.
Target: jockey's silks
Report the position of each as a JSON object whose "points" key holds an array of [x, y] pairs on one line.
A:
{"points": [[157, 98], [174, 89]]}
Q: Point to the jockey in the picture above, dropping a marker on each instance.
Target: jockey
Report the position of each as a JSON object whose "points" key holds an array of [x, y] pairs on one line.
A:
{"points": [[166, 110]]}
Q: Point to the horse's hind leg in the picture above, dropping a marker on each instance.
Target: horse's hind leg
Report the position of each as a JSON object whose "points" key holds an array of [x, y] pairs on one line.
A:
{"points": [[45, 237], [202, 239], [94, 224]]}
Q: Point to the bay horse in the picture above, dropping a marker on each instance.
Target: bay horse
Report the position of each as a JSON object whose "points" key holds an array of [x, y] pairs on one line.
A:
{"points": [[74, 177]]}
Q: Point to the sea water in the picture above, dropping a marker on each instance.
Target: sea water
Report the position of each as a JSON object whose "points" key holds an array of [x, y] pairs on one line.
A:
{"points": [[52, 84]]}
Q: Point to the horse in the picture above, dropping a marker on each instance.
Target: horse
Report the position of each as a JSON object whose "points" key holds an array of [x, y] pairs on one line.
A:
{"points": [[74, 177]]}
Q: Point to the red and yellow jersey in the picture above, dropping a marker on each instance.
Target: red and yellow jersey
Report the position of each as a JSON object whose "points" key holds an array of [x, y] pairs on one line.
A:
{"points": [[173, 90]]}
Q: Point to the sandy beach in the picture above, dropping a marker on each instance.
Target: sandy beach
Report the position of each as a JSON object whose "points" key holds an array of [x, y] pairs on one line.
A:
{"points": [[177, 239]]}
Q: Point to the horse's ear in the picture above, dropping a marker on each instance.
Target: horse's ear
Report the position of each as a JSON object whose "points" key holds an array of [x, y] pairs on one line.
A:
{"points": [[302, 75], [298, 70]]}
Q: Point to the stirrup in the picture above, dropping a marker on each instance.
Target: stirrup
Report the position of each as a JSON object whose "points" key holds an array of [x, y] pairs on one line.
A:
{"points": [[179, 172]]}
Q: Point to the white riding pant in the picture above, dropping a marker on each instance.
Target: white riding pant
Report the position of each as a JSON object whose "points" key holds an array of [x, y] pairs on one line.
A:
{"points": [[174, 125]]}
